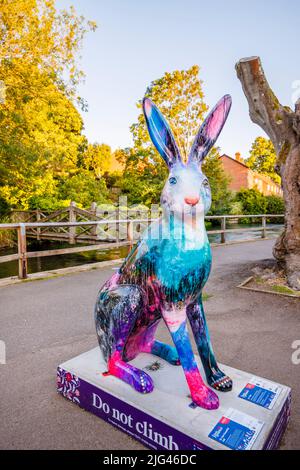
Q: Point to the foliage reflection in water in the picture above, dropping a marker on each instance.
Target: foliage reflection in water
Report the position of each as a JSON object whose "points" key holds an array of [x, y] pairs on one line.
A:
{"points": [[75, 259]]}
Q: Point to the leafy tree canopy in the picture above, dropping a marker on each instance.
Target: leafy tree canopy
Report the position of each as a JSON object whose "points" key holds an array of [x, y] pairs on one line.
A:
{"points": [[35, 33], [41, 136], [263, 158], [221, 196], [84, 189], [180, 97], [97, 158], [253, 201]]}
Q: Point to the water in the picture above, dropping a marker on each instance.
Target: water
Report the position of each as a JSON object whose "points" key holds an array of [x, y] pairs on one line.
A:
{"points": [[273, 230], [75, 259]]}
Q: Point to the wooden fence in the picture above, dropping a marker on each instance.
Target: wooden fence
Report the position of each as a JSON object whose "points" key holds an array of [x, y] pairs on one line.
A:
{"points": [[107, 231], [133, 229]]}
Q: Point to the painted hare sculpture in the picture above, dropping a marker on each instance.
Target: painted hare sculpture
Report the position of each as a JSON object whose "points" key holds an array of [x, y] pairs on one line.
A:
{"points": [[164, 274]]}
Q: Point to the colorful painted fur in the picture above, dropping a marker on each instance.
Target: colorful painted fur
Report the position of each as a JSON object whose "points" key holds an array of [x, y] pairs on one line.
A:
{"points": [[163, 276]]}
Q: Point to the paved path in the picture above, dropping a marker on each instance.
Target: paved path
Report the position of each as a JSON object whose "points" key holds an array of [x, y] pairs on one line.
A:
{"points": [[49, 321]]}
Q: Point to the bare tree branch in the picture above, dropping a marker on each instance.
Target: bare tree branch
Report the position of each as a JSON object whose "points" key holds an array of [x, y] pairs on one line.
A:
{"points": [[264, 107]]}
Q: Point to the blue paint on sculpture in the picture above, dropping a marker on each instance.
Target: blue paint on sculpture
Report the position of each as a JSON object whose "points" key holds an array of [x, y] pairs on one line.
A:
{"points": [[163, 276]]}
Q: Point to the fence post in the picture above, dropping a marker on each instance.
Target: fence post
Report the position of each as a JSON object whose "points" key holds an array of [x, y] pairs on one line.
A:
{"points": [[223, 227], [38, 230], [130, 231], [22, 251], [263, 232], [72, 218], [118, 224], [94, 212]]}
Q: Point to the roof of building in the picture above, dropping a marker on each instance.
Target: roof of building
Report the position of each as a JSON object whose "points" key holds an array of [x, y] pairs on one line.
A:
{"points": [[266, 178], [234, 160]]}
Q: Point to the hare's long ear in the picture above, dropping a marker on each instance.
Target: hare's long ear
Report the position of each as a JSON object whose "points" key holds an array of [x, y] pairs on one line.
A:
{"points": [[160, 133], [210, 130]]}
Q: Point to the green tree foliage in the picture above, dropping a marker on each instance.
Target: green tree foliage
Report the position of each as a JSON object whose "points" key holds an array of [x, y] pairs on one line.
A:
{"points": [[251, 201], [34, 32], [84, 189], [47, 203], [221, 196], [97, 158], [4, 207], [263, 158], [40, 137], [180, 97], [40, 128], [144, 187], [275, 204], [235, 207]]}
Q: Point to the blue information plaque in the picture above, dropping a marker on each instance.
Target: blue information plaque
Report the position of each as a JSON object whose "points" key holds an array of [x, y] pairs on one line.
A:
{"points": [[261, 393]]}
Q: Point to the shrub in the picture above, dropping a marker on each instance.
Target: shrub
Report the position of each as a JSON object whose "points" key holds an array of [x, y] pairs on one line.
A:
{"points": [[253, 202], [219, 183], [84, 189], [275, 205], [7, 237], [236, 208], [4, 207], [47, 204]]}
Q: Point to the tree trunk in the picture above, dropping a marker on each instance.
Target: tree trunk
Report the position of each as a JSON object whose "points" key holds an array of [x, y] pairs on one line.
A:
{"points": [[283, 127]]}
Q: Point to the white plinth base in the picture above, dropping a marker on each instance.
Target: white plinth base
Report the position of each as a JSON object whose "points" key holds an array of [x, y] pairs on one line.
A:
{"points": [[165, 419]]}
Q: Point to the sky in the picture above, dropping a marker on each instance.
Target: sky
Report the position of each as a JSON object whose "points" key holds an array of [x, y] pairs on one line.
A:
{"points": [[137, 41]]}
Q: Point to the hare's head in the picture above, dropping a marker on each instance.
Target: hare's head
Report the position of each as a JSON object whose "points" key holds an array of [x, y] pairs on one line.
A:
{"points": [[187, 189]]}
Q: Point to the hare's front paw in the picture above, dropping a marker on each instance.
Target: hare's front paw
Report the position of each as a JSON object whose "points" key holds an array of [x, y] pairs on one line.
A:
{"points": [[141, 381], [220, 381], [137, 378], [206, 398]]}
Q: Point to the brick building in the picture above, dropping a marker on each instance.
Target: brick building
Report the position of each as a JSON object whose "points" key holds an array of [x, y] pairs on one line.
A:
{"points": [[243, 177]]}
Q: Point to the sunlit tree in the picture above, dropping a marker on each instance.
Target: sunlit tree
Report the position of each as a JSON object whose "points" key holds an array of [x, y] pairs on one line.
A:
{"points": [[97, 158], [40, 126], [263, 158], [180, 97]]}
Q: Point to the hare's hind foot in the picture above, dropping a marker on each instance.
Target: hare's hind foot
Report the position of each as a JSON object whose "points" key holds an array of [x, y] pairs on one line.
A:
{"points": [[165, 351], [220, 381], [205, 398], [135, 377], [200, 393]]}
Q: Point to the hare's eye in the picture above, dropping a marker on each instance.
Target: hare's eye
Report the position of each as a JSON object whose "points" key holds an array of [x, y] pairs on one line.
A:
{"points": [[172, 180], [206, 183]]}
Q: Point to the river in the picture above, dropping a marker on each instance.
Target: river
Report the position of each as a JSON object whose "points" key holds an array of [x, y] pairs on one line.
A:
{"points": [[47, 263]]}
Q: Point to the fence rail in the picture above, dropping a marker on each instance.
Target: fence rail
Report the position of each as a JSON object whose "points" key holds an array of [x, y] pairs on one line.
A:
{"points": [[80, 233], [23, 227]]}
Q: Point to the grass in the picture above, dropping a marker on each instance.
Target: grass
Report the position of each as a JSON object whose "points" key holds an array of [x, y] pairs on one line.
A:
{"points": [[279, 288], [284, 290], [206, 296]]}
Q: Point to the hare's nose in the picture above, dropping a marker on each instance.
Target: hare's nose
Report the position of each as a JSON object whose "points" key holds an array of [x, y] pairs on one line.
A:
{"points": [[192, 201]]}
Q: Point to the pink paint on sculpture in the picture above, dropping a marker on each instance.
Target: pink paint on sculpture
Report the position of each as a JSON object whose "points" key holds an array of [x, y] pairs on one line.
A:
{"points": [[163, 276]]}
